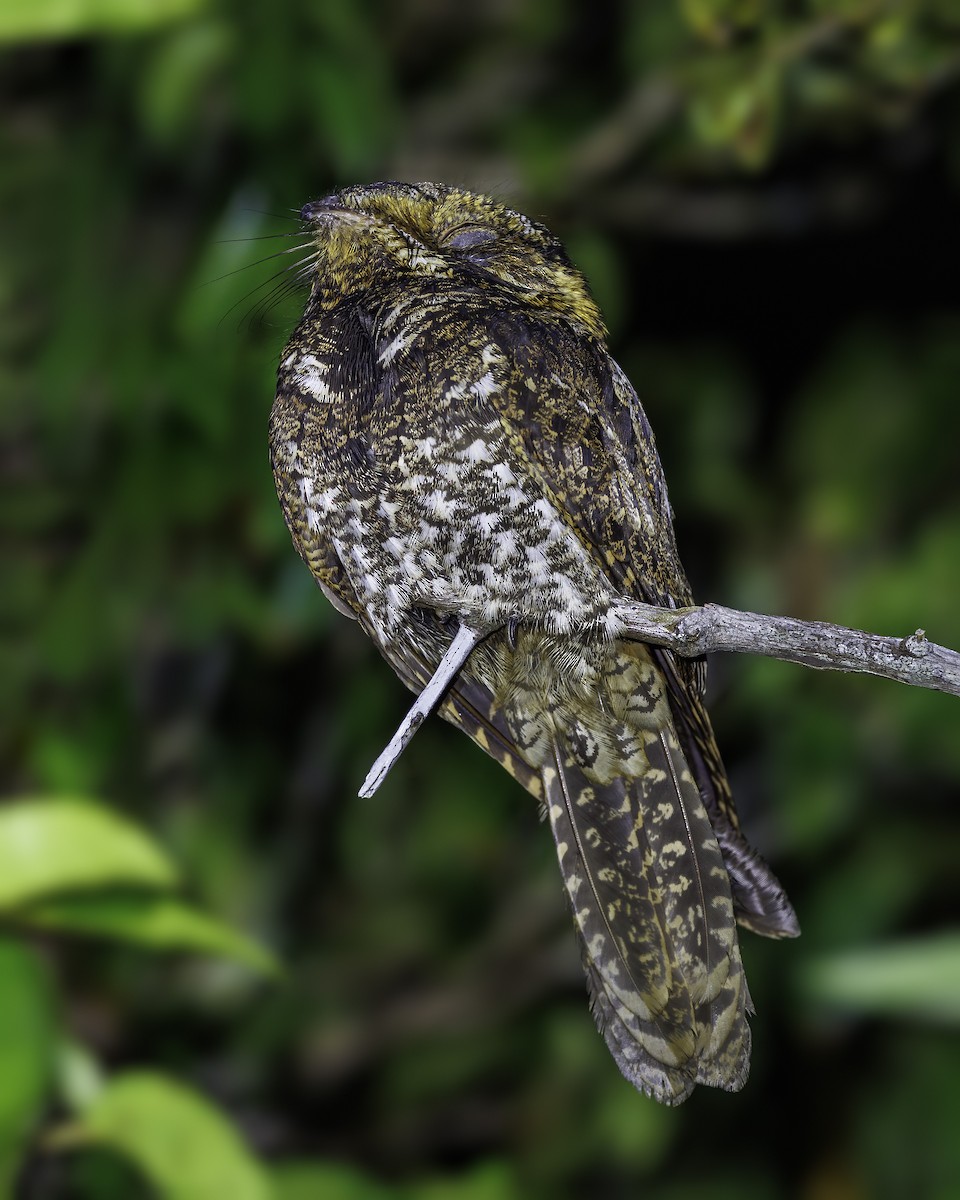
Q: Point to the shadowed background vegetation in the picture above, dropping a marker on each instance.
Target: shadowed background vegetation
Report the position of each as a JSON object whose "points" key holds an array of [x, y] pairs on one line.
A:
{"points": [[764, 196]]}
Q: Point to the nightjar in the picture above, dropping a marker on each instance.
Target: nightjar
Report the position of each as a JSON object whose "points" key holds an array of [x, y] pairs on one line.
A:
{"points": [[469, 474]]}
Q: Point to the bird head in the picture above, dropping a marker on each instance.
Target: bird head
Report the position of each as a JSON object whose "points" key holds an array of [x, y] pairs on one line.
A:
{"points": [[423, 232]]}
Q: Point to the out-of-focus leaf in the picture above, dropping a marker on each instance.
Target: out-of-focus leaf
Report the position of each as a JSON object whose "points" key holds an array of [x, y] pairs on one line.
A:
{"points": [[236, 270], [26, 1037], [919, 978], [159, 922], [181, 1143], [49, 846], [27, 19], [902, 54], [719, 20], [337, 1181], [80, 1078], [487, 1181], [738, 105], [309, 1180], [178, 72]]}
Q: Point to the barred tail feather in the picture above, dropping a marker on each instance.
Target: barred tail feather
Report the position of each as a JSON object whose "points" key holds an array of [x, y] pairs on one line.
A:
{"points": [[652, 905], [759, 901]]}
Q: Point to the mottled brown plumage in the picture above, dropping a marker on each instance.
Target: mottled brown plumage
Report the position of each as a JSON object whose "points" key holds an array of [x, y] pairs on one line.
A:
{"points": [[453, 445]]}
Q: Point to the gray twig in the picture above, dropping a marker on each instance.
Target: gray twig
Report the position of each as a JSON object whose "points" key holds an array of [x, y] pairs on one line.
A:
{"points": [[457, 654], [691, 632]]}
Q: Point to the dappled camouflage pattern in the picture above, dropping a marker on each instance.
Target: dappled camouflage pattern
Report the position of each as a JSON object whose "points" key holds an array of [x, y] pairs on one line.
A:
{"points": [[453, 444]]}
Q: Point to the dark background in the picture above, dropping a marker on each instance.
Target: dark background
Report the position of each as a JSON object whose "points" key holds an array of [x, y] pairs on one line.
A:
{"points": [[765, 200]]}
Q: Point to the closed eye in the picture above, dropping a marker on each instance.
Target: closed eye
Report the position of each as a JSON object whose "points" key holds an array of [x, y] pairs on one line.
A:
{"points": [[470, 237]]}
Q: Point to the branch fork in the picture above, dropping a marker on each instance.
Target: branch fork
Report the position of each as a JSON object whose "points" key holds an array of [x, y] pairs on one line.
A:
{"points": [[693, 632]]}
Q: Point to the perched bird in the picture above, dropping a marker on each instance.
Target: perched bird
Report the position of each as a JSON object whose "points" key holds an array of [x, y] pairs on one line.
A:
{"points": [[469, 474]]}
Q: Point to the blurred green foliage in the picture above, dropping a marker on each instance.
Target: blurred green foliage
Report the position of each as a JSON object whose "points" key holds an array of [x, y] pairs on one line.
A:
{"points": [[75, 867], [26, 1051], [182, 1147], [764, 197]]}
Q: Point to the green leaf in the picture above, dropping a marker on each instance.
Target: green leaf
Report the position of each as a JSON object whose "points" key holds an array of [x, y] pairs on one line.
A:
{"points": [[49, 846], [145, 919], [737, 104], [26, 1038], [919, 978], [336, 1181], [486, 1181], [27, 19], [181, 1143]]}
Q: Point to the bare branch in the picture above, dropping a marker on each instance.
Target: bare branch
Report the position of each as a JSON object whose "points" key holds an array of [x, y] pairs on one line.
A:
{"points": [[457, 654], [691, 632]]}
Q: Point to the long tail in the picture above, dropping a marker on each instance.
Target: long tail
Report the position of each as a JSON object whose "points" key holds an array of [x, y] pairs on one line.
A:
{"points": [[652, 904], [643, 869]]}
